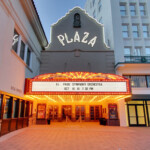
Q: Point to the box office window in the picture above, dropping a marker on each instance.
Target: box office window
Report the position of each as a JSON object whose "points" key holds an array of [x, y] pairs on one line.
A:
{"points": [[22, 109], [15, 108], [15, 41], [7, 108]]}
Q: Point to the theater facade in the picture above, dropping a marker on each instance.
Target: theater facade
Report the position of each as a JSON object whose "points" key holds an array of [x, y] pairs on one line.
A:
{"points": [[77, 80]]}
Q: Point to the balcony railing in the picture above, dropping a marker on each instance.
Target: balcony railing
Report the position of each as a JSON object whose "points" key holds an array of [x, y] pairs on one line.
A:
{"points": [[137, 59]]}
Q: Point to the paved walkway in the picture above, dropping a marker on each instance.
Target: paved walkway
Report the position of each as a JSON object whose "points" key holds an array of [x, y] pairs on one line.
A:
{"points": [[77, 136]]}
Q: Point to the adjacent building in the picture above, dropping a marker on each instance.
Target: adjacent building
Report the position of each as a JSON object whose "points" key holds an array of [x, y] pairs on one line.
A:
{"points": [[127, 32], [21, 40]]}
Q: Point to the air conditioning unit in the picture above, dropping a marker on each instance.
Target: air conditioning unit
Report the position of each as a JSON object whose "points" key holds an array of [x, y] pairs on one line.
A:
{"points": [[143, 59]]}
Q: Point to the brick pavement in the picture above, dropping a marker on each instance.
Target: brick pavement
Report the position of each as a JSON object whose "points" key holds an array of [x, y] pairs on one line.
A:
{"points": [[77, 136]]}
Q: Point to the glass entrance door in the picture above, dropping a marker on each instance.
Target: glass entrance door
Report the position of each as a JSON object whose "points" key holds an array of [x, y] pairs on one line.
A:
{"points": [[66, 112], [95, 112], [53, 112], [80, 112], [136, 114]]}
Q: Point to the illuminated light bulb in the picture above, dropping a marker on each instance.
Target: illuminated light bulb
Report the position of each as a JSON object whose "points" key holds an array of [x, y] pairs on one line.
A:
{"points": [[50, 98], [71, 98], [93, 98], [82, 98], [103, 98], [124, 97], [61, 98]]}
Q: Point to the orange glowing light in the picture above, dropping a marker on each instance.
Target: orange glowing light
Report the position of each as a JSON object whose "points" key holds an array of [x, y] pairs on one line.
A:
{"points": [[76, 77]]}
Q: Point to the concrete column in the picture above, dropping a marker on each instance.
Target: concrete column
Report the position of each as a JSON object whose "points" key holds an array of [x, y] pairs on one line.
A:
{"points": [[122, 113]]}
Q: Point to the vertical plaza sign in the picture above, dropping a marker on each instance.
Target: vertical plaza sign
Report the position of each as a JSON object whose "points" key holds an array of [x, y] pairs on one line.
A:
{"points": [[77, 86]]}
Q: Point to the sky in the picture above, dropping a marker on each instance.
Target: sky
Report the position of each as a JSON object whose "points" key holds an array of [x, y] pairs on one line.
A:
{"points": [[50, 11]]}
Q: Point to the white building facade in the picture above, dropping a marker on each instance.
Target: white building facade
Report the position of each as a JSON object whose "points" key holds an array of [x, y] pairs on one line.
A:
{"points": [[21, 40], [127, 31]]}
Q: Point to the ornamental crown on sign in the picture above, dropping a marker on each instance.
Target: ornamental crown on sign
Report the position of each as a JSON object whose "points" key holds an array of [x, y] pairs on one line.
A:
{"points": [[63, 38]]}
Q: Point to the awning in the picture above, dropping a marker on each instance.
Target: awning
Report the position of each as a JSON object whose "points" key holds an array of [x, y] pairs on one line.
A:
{"points": [[75, 86]]}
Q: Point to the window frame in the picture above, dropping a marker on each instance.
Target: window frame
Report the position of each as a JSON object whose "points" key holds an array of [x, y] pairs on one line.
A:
{"points": [[123, 12], [125, 32], [135, 31], [143, 11], [99, 5], [146, 50], [133, 10], [138, 51], [23, 56], [145, 31], [146, 80], [16, 39], [125, 48]]}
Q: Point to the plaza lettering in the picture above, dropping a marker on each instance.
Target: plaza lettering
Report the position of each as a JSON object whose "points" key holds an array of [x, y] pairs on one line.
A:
{"points": [[64, 39]]}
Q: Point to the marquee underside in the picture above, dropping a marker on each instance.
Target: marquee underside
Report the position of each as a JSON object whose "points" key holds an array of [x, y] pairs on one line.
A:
{"points": [[77, 98]]}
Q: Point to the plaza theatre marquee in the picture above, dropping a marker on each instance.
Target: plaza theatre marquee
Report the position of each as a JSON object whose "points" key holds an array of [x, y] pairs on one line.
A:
{"points": [[78, 83]]}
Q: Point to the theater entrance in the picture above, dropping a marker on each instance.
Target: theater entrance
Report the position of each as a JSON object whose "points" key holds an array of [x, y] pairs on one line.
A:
{"points": [[80, 113], [66, 112], [53, 112]]}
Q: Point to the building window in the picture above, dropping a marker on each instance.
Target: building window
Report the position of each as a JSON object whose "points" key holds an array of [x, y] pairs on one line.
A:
{"points": [[101, 20], [123, 11], [133, 9], [137, 51], [15, 41], [28, 57], [7, 108], [127, 54], [22, 108], [145, 31], [99, 5], [135, 30], [138, 81], [93, 2], [125, 31], [15, 108], [22, 50], [94, 14], [147, 51], [142, 9], [148, 81], [127, 51]]}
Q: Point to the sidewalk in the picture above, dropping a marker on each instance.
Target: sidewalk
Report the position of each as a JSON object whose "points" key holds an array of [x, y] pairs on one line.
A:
{"points": [[77, 136]]}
